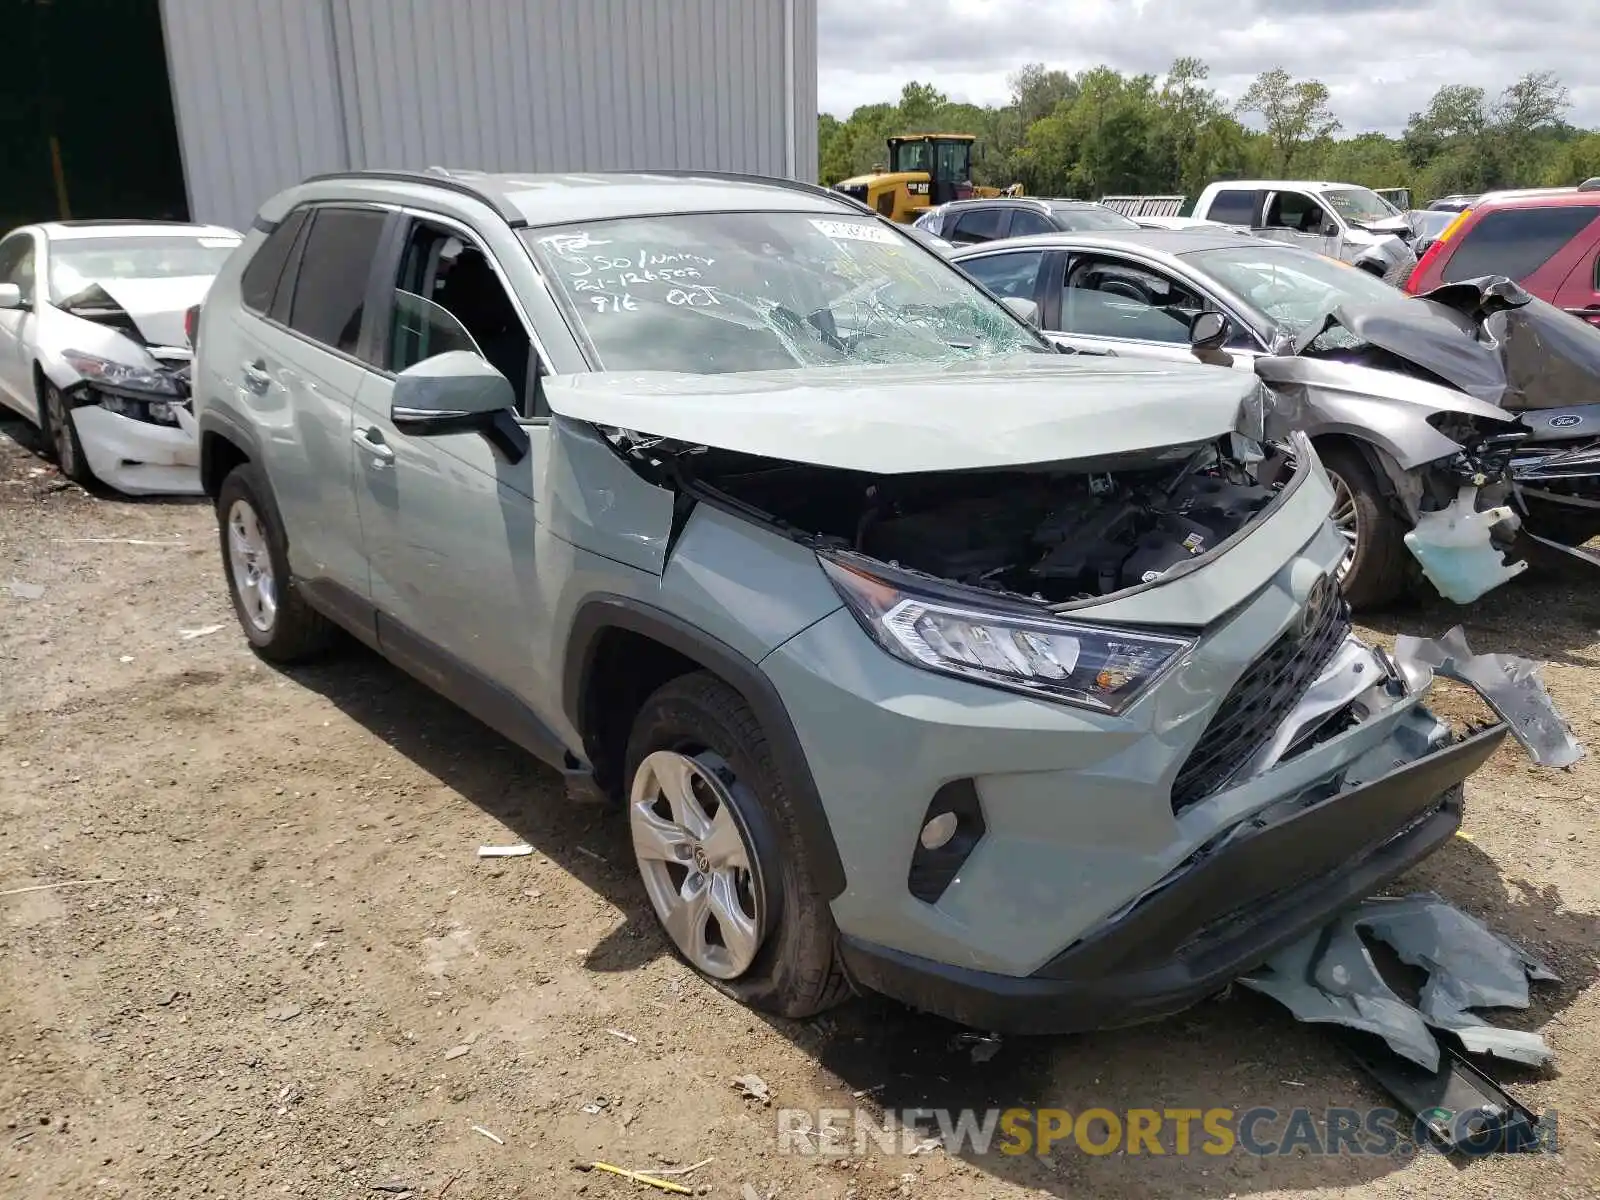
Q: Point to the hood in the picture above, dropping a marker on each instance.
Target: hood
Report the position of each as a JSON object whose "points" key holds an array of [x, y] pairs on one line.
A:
{"points": [[1398, 226], [1486, 337], [154, 307], [888, 420]]}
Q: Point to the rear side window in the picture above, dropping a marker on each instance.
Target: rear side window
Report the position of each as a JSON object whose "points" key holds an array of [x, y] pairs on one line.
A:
{"points": [[1025, 223], [1515, 242], [331, 289], [977, 225], [261, 273], [1233, 207]]}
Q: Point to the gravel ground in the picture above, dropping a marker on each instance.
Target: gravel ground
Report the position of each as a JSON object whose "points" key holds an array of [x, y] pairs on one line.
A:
{"points": [[290, 973]]}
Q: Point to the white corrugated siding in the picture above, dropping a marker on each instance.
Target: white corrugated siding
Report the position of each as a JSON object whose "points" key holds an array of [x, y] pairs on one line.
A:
{"points": [[270, 91]]}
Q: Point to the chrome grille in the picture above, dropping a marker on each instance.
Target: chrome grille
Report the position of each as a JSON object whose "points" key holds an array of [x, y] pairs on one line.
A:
{"points": [[1264, 695]]}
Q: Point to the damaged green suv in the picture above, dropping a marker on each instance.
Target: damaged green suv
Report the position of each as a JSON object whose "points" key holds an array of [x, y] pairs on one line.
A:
{"points": [[924, 658]]}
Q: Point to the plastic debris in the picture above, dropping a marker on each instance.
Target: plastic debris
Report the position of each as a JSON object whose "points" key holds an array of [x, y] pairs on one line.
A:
{"points": [[984, 1045], [1508, 684], [753, 1087], [519, 851], [287, 1012], [1455, 548], [498, 1141], [626, 1037], [665, 1185], [456, 1052], [598, 1105], [1329, 976], [25, 591], [189, 635]]}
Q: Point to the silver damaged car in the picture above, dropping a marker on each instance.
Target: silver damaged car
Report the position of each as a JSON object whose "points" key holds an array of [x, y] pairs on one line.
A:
{"points": [[918, 657]]}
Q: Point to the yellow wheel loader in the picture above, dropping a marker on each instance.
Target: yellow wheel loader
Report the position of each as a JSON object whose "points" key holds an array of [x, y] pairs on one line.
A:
{"points": [[925, 171]]}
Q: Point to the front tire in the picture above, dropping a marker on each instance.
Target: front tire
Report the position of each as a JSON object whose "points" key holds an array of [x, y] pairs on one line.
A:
{"points": [[714, 836], [1375, 570], [61, 435], [280, 625]]}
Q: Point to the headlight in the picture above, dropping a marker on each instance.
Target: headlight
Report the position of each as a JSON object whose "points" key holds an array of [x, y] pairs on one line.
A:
{"points": [[1094, 666], [154, 412], [120, 375]]}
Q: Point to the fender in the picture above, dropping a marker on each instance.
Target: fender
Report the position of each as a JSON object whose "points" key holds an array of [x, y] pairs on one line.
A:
{"points": [[1382, 407], [220, 422], [605, 611]]}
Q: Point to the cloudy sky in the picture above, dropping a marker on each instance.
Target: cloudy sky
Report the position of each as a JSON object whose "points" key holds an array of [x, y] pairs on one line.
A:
{"points": [[1382, 59]]}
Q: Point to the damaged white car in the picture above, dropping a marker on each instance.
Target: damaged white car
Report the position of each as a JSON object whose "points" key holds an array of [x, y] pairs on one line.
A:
{"points": [[94, 345]]}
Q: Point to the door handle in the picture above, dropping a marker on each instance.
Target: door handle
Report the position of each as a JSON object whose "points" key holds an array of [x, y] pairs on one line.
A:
{"points": [[256, 377], [372, 442]]}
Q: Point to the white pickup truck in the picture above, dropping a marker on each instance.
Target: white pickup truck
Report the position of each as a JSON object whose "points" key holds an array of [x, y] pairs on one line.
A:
{"points": [[1341, 220]]}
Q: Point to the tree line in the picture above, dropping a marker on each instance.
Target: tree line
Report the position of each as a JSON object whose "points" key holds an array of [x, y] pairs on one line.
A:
{"points": [[1100, 132]]}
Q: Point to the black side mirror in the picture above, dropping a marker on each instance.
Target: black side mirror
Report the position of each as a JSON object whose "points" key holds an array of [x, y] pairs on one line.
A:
{"points": [[1208, 331]]}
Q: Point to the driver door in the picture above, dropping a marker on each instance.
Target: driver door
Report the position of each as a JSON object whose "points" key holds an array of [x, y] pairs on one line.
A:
{"points": [[1300, 219], [1115, 306], [447, 518]]}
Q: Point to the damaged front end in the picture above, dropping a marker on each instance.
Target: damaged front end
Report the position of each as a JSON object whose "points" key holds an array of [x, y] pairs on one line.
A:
{"points": [[1485, 434]]}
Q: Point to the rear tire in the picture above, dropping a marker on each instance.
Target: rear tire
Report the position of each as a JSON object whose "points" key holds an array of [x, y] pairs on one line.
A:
{"points": [[1397, 275], [698, 724], [275, 617], [61, 435], [1377, 571]]}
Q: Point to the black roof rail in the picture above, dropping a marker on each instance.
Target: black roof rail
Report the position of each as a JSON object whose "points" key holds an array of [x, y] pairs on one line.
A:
{"points": [[793, 185], [438, 177]]}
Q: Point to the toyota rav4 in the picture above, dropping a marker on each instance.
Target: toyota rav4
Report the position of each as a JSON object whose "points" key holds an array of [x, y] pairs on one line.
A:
{"points": [[922, 658]]}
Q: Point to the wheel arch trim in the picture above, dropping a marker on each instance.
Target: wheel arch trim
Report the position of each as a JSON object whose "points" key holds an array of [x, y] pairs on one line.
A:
{"points": [[604, 612]]}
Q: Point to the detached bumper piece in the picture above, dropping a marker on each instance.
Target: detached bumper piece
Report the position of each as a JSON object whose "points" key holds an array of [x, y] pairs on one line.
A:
{"points": [[1509, 685], [1329, 977], [1217, 915]]}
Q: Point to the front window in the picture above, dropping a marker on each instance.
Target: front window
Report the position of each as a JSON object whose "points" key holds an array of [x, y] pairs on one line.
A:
{"points": [[1292, 287], [76, 263], [1091, 218], [912, 156], [1359, 204], [756, 291]]}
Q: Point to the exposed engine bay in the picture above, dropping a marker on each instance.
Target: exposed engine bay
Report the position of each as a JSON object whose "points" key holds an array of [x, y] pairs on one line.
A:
{"points": [[1052, 535]]}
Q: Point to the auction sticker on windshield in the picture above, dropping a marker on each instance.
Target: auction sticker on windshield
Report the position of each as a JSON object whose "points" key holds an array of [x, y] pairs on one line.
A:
{"points": [[854, 231]]}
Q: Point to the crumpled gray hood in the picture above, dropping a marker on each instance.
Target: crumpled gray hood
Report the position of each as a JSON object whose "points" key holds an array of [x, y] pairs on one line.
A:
{"points": [[1488, 337], [893, 419]]}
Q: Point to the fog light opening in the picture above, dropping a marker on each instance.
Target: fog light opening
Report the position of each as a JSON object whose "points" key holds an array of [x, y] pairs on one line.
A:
{"points": [[952, 827]]}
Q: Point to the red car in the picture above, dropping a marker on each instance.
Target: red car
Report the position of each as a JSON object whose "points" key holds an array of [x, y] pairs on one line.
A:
{"points": [[1548, 242]]}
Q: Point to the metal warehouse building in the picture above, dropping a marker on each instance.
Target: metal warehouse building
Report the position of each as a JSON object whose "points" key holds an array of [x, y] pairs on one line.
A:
{"points": [[203, 108]]}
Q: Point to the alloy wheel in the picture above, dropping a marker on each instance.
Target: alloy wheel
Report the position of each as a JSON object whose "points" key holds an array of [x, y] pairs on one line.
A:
{"points": [[695, 860], [1345, 520], [251, 564]]}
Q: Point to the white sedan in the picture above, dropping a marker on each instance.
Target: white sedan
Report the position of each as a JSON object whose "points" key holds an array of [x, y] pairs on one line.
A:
{"points": [[94, 345]]}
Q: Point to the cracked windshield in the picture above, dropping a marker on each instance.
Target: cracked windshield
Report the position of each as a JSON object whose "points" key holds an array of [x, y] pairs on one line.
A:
{"points": [[712, 293], [1293, 290]]}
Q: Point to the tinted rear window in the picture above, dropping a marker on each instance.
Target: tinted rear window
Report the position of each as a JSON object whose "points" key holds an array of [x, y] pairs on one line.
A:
{"points": [[330, 291], [1233, 207], [978, 225], [1516, 241], [1083, 218], [260, 278]]}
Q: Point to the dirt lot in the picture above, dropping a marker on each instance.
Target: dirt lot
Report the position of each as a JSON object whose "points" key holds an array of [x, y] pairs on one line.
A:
{"points": [[292, 974]]}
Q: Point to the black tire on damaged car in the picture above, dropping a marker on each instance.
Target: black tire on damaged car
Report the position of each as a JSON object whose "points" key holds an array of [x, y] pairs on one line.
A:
{"points": [[796, 972], [1397, 275], [60, 435], [297, 631], [1381, 569]]}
